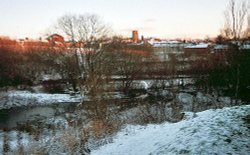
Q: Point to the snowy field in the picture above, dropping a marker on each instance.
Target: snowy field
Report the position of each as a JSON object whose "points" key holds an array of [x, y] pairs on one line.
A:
{"points": [[221, 131]]}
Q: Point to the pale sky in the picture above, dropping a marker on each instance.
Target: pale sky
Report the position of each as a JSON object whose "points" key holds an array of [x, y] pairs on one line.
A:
{"points": [[153, 18]]}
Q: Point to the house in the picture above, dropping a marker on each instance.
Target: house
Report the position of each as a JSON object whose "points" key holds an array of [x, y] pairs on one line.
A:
{"points": [[198, 50], [56, 38], [220, 48], [219, 52]]}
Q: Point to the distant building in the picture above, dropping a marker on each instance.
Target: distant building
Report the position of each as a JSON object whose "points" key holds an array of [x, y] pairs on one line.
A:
{"points": [[7, 42], [56, 38], [220, 48], [197, 50], [135, 36], [219, 52], [246, 46]]}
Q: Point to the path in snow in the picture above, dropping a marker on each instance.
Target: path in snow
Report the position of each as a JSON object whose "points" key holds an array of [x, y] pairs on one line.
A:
{"points": [[221, 131]]}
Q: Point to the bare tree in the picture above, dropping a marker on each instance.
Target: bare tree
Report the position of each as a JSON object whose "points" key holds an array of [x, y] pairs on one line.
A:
{"points": [[247, 32], [127, 61], [236, 27], [68, 25], [129, 68], [86, 33], [84, 28], [235, 19], [91, 28]]}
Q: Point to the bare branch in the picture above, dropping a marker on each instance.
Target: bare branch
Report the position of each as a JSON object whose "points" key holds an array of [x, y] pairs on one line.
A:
{"points": [[235, 19]]}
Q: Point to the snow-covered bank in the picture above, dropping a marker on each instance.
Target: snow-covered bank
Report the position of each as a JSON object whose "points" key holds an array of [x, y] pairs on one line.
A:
{"points": [[221, 131], [26, 98]]}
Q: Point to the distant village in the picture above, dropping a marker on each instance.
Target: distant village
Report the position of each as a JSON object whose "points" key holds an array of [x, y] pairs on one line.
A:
{"points": [[163, 48]]}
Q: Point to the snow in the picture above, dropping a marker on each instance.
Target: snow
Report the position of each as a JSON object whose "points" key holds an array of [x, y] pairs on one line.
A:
{"points": [[198, 46], [25, 139], [13, 140], [246, 46], [221, 131], [145, 84], [226, 100], [47, 77], [185, 98], [201, 98], [26, 98], [1, 142], [165, 43], [59, 122]]}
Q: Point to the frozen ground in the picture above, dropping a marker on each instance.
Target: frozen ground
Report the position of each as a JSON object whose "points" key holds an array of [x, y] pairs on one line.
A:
{"points": [[25, 98], [221, 131]]}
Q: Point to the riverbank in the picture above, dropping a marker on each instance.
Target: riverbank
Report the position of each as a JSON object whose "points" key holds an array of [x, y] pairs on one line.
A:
{"points": [[220, 131]]}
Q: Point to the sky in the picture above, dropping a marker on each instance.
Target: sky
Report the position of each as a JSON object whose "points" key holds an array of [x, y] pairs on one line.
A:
{"points": [[152, 18]]}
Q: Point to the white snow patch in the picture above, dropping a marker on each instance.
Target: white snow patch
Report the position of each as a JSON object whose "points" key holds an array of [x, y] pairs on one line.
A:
{"points": [[1, 142], [226, 100], [201, 45], [145, 84], [201, 98], [25, 139], [13, 143], [220, 131], [55, 76], [246, 46], [59, 122], [25, 98], [185, 98]]}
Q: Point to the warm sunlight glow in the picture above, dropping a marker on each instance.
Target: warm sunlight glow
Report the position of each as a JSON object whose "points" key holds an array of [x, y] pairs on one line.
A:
{"points": [[153, 18]]}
